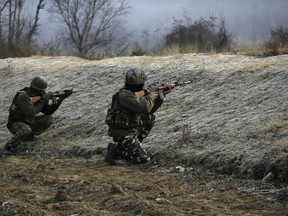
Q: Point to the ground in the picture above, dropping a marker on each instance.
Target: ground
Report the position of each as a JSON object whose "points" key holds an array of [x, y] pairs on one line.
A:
{"points": [[44, 186], [214, 139]]}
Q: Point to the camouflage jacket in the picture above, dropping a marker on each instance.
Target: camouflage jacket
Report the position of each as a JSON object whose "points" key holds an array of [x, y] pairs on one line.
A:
{"points": [[126, 111], [23, 110]]}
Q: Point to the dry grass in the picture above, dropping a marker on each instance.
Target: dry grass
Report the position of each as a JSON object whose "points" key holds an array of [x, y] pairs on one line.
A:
{"points": [[176, 49], [259, 49], [276, 126], [248, 49]]}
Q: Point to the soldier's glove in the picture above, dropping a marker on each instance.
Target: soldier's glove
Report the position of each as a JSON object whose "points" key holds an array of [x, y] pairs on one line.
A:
{"points": [[67, 94]]}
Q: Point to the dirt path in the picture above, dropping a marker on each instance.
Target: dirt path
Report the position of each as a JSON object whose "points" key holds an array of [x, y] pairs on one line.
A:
{"points": [[41, 186]]}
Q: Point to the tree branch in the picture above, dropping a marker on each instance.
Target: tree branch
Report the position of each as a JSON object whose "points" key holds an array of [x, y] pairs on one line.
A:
{"points": [[4, 5]]}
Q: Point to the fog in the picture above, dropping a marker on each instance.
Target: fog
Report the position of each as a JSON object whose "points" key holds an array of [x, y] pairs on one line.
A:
{"points": [[249, 21]]}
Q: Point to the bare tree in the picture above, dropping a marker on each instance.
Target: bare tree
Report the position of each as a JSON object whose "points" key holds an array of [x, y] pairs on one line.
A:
{"points": [[91, 24], [17, 31], [2, 7], [33, 28]]}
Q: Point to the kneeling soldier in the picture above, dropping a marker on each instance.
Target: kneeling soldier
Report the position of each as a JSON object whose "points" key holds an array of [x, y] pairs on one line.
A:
{"points": [[131, 118], [24, 121]]}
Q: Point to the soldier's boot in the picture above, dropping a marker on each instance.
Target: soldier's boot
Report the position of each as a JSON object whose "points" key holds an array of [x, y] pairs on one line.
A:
{"points": [[111, 154], [31, 137], [9, 149]]}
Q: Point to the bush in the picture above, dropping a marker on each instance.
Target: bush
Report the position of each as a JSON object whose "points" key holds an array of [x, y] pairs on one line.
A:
{"points": [[280, 35], [203, 34], [278, 42]]}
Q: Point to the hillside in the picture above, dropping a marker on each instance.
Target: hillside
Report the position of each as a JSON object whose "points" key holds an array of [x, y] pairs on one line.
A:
{"points": [[231, 120]]}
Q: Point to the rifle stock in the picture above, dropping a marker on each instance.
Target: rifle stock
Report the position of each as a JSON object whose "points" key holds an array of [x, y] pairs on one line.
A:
{"points": [[35, 99], [140, 94]]}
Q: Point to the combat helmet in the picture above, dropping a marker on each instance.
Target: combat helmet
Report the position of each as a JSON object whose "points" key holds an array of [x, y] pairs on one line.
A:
{"points": [[135, 76], [39, 83]]}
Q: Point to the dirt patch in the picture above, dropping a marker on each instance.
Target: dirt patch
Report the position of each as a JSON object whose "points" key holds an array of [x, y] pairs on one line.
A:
{"points": [[42, 186]]}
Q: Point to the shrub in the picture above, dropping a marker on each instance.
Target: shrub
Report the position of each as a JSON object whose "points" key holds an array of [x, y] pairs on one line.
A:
{"points": [[280, 35], [278, 42], [203, 34]]}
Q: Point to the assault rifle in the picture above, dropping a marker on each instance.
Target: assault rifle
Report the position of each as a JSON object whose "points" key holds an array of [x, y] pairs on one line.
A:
{"points": [[165, 87], [53, 95]]}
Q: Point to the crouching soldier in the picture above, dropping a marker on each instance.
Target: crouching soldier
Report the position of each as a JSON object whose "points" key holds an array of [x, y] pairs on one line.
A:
{"points": [[24, 120], [131, 118]]}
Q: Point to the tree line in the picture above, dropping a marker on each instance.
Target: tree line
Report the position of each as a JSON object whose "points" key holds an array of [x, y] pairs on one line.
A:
{"points": [[16, 31], [95, 27], [89, 25]]}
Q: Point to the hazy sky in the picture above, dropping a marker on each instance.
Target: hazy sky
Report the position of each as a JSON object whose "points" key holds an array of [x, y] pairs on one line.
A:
{"points": [[245, 19]]}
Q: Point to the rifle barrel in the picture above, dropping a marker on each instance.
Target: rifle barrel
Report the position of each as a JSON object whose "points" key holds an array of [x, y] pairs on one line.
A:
{"points": [[182, 83]]}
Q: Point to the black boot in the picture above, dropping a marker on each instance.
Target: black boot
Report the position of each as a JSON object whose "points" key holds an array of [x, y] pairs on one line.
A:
{"points": [[8, 150], [30, 138], [111, 154]]}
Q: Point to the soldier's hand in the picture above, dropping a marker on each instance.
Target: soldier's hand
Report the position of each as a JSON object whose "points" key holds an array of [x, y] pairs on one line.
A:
{"points": [[67, 94], [168, 87], [152, 95]]}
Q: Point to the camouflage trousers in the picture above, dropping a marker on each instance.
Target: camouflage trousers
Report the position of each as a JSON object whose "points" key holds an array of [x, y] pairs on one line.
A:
{"points": [[148, 122], [130, 148], [23, 132]]}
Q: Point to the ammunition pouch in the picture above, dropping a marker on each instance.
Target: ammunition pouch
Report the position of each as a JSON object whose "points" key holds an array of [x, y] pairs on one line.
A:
{"points": [[122, 119]]}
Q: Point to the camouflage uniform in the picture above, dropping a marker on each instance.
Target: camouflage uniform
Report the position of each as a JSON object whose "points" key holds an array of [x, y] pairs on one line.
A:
{"points": [[130, 120], [24, 121]]}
